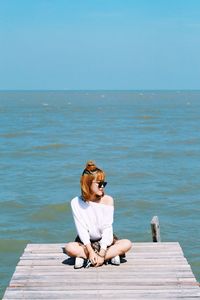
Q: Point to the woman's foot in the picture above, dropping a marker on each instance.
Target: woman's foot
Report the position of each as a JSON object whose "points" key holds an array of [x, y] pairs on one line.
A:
{"points": [[115, 260], [79, 262]]}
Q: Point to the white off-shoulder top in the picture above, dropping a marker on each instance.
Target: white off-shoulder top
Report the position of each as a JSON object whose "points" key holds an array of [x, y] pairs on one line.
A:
{"points": [[93, 221]]}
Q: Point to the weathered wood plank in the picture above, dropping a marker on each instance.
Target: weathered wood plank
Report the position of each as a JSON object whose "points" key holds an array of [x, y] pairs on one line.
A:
{"points": [[63, 287], [107, 283], [132, 262], [104, 294], [138, 269], [108, 273], [141, 246]]}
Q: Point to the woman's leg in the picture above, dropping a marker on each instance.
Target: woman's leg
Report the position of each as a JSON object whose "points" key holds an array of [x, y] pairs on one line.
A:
{"points": [[74, 249], [119, 248]]}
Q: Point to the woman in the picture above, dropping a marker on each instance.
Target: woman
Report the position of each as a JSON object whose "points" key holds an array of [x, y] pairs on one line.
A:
{"points": [[93, 216]]}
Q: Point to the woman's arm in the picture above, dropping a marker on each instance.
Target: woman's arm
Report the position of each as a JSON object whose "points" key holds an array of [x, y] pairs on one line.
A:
{"points": [[107, 237], [81, 227], [107, 232]]}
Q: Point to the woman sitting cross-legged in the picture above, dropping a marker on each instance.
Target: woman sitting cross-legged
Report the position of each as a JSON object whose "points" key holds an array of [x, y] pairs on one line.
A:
{"points": [[93, 216]]}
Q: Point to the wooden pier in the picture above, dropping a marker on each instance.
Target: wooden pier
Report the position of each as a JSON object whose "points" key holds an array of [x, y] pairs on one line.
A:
{"points": [[151, 271]]}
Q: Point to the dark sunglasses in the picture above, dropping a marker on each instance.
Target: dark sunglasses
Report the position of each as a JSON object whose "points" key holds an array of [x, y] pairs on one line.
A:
{"points": [[101, 184]]}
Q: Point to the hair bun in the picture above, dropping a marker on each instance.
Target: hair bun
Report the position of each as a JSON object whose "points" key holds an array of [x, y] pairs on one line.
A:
{"points": [[91, 166]]}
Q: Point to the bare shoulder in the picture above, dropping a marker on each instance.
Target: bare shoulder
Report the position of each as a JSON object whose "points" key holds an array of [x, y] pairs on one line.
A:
{"points": [[108, 200]]}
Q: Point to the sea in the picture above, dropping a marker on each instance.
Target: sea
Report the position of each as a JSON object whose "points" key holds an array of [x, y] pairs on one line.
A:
{"points": [[148, 143]]}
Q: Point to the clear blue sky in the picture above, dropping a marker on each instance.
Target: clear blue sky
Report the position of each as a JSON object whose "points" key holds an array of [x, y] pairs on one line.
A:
{"points": [[99, 44]]}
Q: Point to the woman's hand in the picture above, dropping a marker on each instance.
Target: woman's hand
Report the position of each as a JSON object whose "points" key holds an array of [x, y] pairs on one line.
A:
{"points": [[93, 257], [97, 259], [100, 261], [101, 257]]}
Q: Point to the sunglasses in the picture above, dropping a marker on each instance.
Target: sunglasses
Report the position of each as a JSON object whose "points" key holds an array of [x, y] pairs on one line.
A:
{"points": [[101, 184]]}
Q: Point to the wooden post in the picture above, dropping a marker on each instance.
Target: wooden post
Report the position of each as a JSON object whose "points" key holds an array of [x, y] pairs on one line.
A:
{"points": [[155, 229]]}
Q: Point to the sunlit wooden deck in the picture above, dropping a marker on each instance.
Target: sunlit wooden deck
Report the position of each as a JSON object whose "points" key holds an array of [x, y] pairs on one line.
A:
{"points": [[151, 271]]}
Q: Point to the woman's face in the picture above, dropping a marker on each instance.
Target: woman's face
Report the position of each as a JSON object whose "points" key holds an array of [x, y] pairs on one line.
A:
{"points": [[97, 188]]}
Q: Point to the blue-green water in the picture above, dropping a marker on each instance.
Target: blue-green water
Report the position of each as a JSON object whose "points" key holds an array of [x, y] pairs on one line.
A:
{"points": [[148, 142]]}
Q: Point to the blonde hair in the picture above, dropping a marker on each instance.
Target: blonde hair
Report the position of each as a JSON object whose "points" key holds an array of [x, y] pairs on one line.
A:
{"points": [[90, 173]]}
